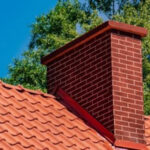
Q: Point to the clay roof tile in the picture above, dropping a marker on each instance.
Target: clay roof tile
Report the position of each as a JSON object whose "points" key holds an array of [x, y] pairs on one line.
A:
{"points": [[35, 120]]}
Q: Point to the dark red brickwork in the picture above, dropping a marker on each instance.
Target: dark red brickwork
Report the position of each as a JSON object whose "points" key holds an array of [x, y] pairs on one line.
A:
{"points": [[104, 75], [127, 87], [85, 74]]}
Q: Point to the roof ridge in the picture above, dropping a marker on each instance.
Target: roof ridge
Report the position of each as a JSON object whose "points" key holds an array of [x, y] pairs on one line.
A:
{"points": [[21, 88]]}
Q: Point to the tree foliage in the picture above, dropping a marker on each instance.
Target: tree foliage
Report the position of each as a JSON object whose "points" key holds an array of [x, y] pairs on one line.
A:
{"points": [[140, 16], [60, 25], [27, 71], [111, 7], [65, 22]]}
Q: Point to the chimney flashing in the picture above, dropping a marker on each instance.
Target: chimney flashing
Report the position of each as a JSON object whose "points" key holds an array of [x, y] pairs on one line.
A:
{"points": [[86, 116], [109, 25], [129, 145]]}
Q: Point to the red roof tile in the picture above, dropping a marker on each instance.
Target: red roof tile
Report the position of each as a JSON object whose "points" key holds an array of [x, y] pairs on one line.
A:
{"points": [[36, 121]]}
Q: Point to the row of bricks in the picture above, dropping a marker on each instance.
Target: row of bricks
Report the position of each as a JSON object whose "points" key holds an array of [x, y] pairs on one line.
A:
{"points": [[123, 36], [127, 114], [123, 44], [133, 139]]}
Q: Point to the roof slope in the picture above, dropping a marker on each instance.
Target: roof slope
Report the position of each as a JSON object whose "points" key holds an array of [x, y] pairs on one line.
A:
{"points": [[36, 121]]}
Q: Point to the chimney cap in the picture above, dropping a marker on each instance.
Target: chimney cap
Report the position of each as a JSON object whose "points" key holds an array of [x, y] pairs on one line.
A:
{"points": [[140, 31]]}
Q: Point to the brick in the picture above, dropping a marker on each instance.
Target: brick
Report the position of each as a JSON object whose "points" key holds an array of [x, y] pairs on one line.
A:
{"points": [[137, 46], [116, 36], [117, 107], [127, 119], [126, 71], [118, 127], [128, 109], [119, 46], [136, 116], [119, 65], [123, 123], [123, 133], [129, 139], [128, 62], [127, 100], [140, 112], [121, 113], [122, 94], [138, 74], [133, 77], [139, 93], [119, 84], [115, 59], [139, 107], [139, 102], [129, 129], [119, 137], [137, 135], [134, 97], [115, 78], [139, 122], [124, 80], [125, 52], [133, 40], [116, 88], [137, 126], [126, 43], [138, 88], [119, 103], [140, 131], [136, 64], [134, 50], [118, 55], [133, 59], [123, 75], [114, 40], [115, 50], [134, 68], [139, 56]]}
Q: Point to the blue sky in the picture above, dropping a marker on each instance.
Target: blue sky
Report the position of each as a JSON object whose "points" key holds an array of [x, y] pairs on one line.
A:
{"points": [[16, 16]]}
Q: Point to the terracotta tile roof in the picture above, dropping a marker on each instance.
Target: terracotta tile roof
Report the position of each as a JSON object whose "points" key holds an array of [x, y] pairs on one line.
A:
{"points": [[36, 121]]}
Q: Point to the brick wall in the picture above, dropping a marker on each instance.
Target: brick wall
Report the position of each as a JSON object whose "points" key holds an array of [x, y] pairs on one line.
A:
{"points": [[85, 74], [127, 87], [104, 75]]}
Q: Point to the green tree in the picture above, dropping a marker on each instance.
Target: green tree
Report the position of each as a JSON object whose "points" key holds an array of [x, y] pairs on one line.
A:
{"points": [[60, 25], [65, 22], [140, 16], [111, 7], [27, 71]]}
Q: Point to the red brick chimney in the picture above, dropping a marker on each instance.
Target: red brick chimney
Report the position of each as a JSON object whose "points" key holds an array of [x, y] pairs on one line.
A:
{"points": [[102, 71]]}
